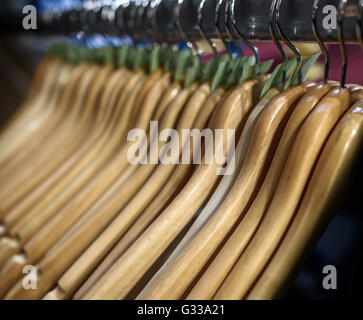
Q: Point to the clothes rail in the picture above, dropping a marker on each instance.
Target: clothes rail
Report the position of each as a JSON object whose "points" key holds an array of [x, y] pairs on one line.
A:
{"points": [[252, 20]]}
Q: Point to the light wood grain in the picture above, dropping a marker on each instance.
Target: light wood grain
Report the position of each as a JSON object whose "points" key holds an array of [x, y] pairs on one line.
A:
{"points": [[217, 271], [171, 285], [300, 162], [174, 184], [123, 275], [331, 174], [219, 194]]}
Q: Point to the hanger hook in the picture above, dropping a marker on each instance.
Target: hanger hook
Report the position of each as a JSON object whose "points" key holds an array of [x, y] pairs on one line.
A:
{"points": [[151, 18], [218, 30], [239, 34], [190, 44], [272, 26], [122, 22], [131, 24], [139, 15], [119, 17], [227, 22], [201, 28], [287, 41], [343, 49], [109, 14], [359, 23], [319, 40]]}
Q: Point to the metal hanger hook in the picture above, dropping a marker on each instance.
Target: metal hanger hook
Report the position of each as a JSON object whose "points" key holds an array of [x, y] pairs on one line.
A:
{"points": [[151, 12], [218, 30], [119, 16], [190, 44], [359, 23], [287, 41], [201, 28], [239, 34], [139, 15], [131, 23], [272, 27], [343, 49], [319, 40], [227, 20]]}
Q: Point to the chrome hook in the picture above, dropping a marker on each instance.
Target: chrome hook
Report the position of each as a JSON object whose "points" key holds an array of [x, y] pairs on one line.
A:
{"points": [[320, 41], [201, 28], [227, 20], [287, 41], [190, 44], [359, 23], [132, 22], [139, 16], [272, 22], [343, 49], [151, 18], [217, 24], [239, 34]]}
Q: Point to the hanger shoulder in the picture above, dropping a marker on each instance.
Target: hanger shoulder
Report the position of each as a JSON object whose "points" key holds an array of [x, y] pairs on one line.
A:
{"points": [[299, 164], [223, 219], [217, 197], [77, 273], [232, 249], [175, 182], [173, 218], [324, 189]]}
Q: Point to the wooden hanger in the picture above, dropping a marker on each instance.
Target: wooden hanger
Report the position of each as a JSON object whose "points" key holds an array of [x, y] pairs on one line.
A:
{"points": [[55, 134], [356, 94], [78, 125], [44, 122], [64, 190], [65, 103], [146, 249], [52, 234], [49, 196], [66, 215], [100, 215], [174, 184], [81, 131], [145, 119], [207, 285], [193, 258], [20, 128], [47, 114], [72, 279], [101, 123], [76, 106], [299, 164], [24, 200], [325, 188], [73, 210], [84, 229], [28, 109], [7, 173], [106, 110], [220, 193]]}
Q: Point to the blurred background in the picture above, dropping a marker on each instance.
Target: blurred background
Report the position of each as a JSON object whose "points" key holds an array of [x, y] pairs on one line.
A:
{"points": [[342, 243]]}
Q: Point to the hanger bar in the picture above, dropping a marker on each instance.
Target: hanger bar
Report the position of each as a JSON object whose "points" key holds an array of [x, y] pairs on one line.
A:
{"points": [[251, 20]]}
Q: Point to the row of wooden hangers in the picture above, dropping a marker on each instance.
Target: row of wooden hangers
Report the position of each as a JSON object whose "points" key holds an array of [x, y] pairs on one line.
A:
{"points": [[97, 227]]}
